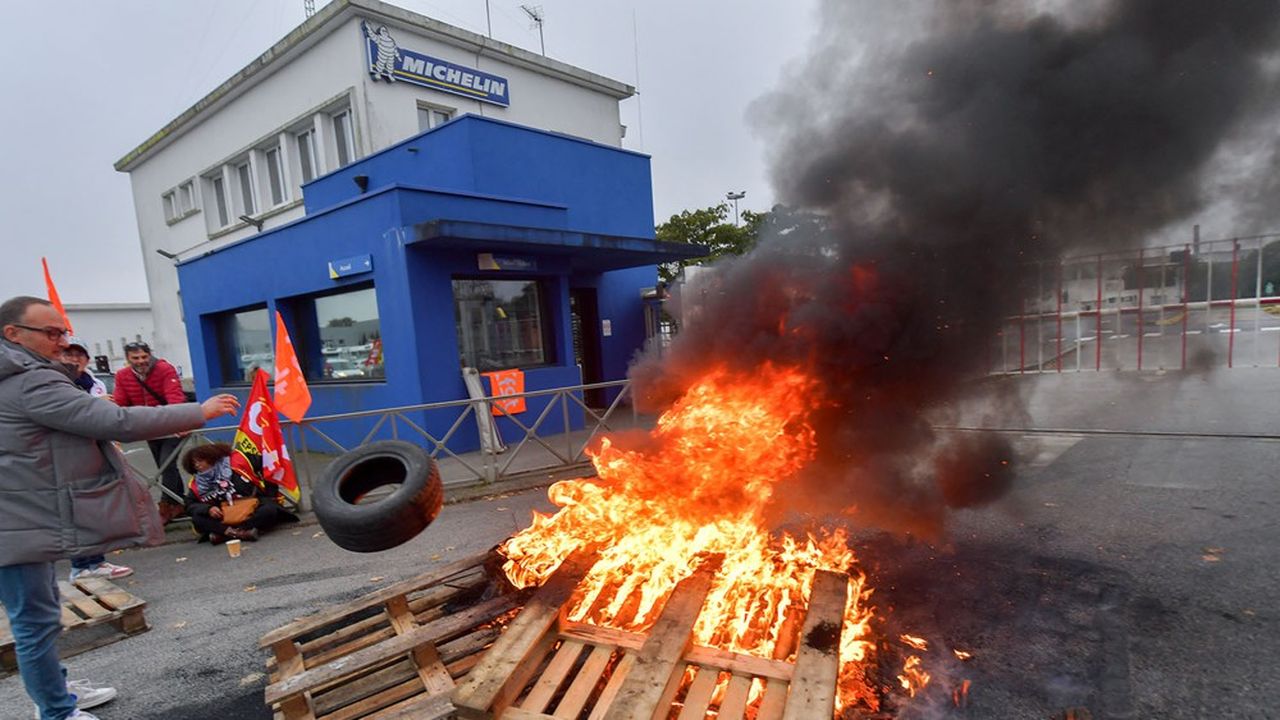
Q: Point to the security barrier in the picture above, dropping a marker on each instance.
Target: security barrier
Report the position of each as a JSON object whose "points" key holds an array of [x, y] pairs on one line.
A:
{"points": [[535, 452]]}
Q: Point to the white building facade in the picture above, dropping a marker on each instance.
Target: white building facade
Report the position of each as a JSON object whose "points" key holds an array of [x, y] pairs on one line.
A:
{"points": [[105, 328], [357, 77]]}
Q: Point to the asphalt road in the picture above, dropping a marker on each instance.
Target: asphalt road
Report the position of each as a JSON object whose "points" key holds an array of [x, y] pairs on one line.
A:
{"points": [[1134, 575]]}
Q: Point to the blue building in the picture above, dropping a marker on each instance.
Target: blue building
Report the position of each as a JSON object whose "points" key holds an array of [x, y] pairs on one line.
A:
{"points": [[478, 243]]}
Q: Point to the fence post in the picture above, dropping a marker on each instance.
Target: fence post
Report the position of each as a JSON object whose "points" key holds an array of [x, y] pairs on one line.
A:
{"points": [[304, 491], [1059, 356], [1186, 295], [1231, 329], [1097, 363], [564, 405], [1142, 286]]}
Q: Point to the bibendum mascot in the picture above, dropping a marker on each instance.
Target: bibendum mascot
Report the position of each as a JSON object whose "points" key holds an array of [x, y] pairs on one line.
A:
{"points": [[384, 64]]}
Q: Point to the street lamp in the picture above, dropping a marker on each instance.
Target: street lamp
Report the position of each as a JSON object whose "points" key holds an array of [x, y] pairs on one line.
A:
{"points": [[735, 197]]}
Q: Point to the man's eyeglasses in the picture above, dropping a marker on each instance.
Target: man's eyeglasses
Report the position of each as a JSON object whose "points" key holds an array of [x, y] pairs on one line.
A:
{"points": [[53, 333], [136, 346]]}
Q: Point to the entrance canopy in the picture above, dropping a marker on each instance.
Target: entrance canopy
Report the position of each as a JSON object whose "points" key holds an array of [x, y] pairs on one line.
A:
{"points": [[587, 252]]}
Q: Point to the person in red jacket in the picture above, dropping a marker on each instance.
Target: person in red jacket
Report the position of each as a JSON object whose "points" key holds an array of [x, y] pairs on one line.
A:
{"points": [[149, 381]]}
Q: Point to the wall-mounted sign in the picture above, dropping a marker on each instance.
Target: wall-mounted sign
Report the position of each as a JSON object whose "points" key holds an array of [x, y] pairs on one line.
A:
{"points": [[390, 62], [489, 261], [503, 383], [350, 266], [606, 328]]}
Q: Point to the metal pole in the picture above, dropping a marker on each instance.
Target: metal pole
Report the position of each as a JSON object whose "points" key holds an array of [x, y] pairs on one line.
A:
{"points": [[1186, 292], [1160, 316], [1059, 316], [1097, 363], [1231, 330], [1039, 317], [1142, 281], [488, 19], [1208, 295], [1257, 311]]}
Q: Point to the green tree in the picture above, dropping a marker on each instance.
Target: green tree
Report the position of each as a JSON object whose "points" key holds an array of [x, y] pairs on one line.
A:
{"points": [[709, 227]]}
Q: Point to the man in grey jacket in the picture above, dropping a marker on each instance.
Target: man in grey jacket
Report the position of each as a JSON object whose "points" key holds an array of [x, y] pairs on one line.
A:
{"points": [[65, 490]]}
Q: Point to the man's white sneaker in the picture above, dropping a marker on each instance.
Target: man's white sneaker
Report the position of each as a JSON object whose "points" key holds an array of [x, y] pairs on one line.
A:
{"points": [[106, 571], [89, 695]]}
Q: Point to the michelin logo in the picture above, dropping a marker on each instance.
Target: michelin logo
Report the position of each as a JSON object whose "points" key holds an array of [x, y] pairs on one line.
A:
{"points": [[383, 65]]}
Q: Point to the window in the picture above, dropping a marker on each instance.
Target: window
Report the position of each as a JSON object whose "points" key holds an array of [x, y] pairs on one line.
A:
{"points": [[187, 197], [170, 206], [340, 336], [244, 344], [430, 116], [244, 178], [179, 202], [220, 200], [500, 324], [276, 175], [343, 137], [307, 154]]}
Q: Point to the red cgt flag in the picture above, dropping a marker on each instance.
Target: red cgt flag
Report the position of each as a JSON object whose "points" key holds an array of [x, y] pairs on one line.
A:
{"points": [[260, 453], [293, 397]]}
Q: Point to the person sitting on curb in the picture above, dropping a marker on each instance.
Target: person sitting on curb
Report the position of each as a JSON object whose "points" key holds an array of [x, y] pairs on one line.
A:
{"points": [[215, 486], [86, 566]]}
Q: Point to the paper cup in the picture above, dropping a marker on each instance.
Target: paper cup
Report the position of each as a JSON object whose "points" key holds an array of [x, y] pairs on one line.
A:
{"points": [[233, 548]]}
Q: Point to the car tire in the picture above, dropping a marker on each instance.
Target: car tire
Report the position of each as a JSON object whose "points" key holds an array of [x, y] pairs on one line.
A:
{"points": [[387, 522]]}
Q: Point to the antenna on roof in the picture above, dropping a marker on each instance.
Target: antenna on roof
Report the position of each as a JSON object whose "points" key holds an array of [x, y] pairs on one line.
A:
{"points": [[309, 7], [535, 14]]}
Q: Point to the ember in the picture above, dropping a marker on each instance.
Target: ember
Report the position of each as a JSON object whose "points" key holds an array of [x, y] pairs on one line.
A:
{"points": [[697, 486]]}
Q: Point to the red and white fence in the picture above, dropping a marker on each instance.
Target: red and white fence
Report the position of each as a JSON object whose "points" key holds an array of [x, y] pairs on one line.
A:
{"points": [[1204, 304]]}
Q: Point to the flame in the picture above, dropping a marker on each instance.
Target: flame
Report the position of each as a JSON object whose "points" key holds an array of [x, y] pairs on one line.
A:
{"points": [[918, 643], [913, 676], [699, 485]]}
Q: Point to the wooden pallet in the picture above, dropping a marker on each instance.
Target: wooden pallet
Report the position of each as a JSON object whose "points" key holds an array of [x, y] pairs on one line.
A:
{"points": [[544, 667], [90, 606], [393, 653]]}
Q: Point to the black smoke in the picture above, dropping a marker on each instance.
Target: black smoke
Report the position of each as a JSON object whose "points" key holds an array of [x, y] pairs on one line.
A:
{"points": [[930, 153]]}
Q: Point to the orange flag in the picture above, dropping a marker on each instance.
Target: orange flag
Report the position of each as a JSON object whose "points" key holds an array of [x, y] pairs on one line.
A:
{"points": [[260, 454], [503, 383], [292, 395], [53, 295]]}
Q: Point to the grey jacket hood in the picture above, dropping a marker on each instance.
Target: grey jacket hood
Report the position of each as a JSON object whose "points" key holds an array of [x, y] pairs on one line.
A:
{"points": [[65, 489], [16, 359]]}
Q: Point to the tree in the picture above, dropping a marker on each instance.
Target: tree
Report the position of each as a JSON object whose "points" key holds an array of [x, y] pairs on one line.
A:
{"points": [[341, 322], [709, 227]]}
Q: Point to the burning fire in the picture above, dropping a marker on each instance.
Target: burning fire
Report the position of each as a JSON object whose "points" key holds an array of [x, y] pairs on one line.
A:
{"points": [[699, 486]]}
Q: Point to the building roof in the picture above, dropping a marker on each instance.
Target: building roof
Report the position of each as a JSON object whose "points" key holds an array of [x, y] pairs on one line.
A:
{"points": [[329, 19]]}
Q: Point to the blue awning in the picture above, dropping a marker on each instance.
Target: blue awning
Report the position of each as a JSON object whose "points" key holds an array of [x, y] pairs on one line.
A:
{"points": [[587, 251]]}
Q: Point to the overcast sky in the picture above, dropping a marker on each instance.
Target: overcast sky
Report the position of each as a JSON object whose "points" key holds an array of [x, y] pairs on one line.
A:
{"points": [[85, 82]]}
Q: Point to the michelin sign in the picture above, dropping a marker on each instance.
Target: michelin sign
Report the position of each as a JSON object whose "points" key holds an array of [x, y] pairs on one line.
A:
{"points": [[390, 62]]}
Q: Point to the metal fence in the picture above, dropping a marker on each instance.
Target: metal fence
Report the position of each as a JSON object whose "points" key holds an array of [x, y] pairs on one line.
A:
{"points": [[1197, 305], [312, 444]]}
